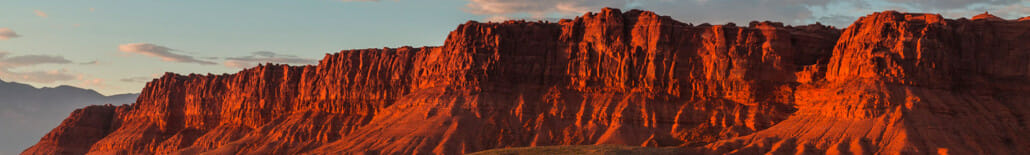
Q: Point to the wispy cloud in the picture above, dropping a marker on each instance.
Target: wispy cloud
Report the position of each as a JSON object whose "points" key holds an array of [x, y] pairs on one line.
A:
{"points": [[41, 14], [137, 79], [8, 66], [162, 52], [7, 33], [49, 76], [29, 60], [263, 57], [537, 7], [94, 62], [141, 79]]}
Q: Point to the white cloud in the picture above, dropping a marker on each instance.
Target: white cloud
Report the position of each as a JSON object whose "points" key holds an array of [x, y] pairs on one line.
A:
{"points": [[41, 14], [7, 33], [263, 57], [162, 52]]}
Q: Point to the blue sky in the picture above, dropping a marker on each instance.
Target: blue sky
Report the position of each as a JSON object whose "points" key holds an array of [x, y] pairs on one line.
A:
{"points": [[115, 46]]}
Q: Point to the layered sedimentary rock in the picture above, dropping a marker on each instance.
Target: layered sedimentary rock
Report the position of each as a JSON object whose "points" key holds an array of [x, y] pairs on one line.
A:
{"points": [[77, 133], [892, 83], [913, 84]]}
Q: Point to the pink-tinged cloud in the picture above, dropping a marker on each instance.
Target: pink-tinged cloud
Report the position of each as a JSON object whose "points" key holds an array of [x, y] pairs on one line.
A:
{"points": [[7, 33], [536, 6], [49, 76], [162, 52], [41, 14]]}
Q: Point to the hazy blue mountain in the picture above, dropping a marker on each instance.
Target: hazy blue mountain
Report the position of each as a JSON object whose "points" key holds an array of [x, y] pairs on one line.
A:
{"points": [[27, 113]]}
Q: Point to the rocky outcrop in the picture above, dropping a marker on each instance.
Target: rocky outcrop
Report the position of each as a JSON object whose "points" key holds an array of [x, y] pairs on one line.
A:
{"points": [[77, 133], [891, 83], [912, 84], [987, 16]]}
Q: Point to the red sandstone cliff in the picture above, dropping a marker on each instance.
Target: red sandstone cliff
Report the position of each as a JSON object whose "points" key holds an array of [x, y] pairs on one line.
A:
{"points": [[891, 83], [913, 84]]}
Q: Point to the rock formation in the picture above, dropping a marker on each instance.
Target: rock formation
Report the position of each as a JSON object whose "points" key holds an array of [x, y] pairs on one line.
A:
{"points": [[890, 83], [912, 84]]}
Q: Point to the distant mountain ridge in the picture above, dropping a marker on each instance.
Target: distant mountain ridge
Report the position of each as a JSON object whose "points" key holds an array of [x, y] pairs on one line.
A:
{"points": [[27, 112]]}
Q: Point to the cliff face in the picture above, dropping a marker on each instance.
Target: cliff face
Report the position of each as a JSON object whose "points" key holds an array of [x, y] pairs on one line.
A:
{"points": [[77, 133], [914, 84], [631, 78]]}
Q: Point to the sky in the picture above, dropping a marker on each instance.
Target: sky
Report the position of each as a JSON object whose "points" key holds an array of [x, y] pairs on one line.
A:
{"points": [[116, 46]]}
